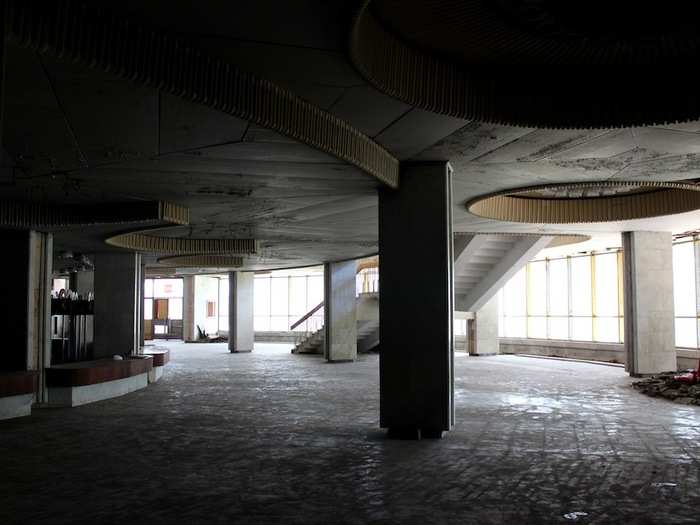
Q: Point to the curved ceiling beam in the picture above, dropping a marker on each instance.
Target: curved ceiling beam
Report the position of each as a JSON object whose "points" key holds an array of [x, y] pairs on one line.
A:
{"points": [[26, 215], [30, 215], [202, 261], [497, 62], [69, 30], [143, 242], [587, 202]]}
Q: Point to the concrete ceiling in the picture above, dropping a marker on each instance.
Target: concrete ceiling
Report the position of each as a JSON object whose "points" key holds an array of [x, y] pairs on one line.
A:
{"points": [[75, 135]]}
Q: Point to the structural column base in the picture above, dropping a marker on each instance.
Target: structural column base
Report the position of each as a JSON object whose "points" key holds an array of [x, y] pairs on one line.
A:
{"points": [[240, 351], [414, 433]]}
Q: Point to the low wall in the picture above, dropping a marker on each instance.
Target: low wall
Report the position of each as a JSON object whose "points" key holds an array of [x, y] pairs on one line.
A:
{"points": [[607, 352], [278, 337]]}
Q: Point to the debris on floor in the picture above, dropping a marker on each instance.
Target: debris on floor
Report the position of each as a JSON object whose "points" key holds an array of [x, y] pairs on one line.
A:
{"points": [[681, 388]]}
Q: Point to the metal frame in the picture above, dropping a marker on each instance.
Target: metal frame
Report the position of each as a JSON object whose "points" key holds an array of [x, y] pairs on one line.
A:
{"points": [[570, 316]]}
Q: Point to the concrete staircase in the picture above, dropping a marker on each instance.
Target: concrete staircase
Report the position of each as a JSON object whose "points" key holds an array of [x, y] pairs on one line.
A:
{"points": [[485, 262], [312, 344], [367, 336], [367, 339]]}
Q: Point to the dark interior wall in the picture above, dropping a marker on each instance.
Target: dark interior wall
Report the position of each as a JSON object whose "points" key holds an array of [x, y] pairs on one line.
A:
{"points": [[14, 268]]}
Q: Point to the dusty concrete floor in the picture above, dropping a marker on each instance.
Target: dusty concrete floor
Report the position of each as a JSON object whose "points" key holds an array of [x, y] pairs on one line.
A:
{"points": [[271, 437]]}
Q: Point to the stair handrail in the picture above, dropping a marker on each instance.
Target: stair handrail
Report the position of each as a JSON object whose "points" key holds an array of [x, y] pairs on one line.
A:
{"points": [[307, 315], [362, 265]]}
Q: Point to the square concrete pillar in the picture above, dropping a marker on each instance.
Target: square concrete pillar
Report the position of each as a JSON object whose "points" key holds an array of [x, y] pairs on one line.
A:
{"points": [[416, 302], [117, 304], [25, 305], [340, 311], [188, 329], [241, 331], [484, 332], [648, 302]]}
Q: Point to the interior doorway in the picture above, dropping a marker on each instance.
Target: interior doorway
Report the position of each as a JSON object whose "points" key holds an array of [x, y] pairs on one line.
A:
{"points": [[163, 304]]}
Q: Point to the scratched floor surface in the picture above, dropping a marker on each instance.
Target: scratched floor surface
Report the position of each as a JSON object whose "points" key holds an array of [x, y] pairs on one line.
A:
{"points": [[269, 437]]}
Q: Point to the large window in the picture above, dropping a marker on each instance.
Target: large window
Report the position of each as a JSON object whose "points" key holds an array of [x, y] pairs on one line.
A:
{"points": [[685, 293], [282, 298], [576, 298]]}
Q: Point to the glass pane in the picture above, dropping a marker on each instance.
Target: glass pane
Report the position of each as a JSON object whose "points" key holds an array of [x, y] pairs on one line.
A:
{"points": [[460, 326], [261, 323], [582, 329], [315, 322], [514, 297], [558, 327], [606, 329], [261, 296], [148, 309], [686, 332], [279, 296], [606, 285], [167, 287], [148, 288], [279, 323], [315, 291], [175, 308], [515, 327], [581, 286], [537, 288], [684, 279], [558, 287], [537, 327], [297, 296], [622, 329], [59, 284], [223, 298]]}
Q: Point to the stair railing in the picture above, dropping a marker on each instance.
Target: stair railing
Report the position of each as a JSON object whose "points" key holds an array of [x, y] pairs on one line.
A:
{"points": [[307, 315]]}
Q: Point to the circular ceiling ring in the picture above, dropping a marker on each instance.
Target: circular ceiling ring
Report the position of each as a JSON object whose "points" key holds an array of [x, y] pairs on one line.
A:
{"points": [[587, 202], [28, 215], [202, 261], [77, 32], [145, 242], [533, 64], [158, 215]]}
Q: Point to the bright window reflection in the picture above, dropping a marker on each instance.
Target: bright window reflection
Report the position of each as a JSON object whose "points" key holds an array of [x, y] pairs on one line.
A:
{"points": [[685, 294], [580, 298], [282, 298], [574, 298]]}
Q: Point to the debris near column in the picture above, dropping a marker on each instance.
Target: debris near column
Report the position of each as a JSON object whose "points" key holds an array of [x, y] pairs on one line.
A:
{"points": [[681, 388]]}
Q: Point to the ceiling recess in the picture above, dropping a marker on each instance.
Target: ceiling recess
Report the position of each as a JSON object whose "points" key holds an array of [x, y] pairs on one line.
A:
{"points": [[535, 63], [588, 202]]}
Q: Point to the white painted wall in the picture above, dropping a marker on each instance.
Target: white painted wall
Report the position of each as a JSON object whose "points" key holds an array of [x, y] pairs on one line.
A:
{"points": [[205, 289]]}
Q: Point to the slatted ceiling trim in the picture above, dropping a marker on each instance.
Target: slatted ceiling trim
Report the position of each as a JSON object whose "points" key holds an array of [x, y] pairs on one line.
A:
{"points": [[661, 198], [446, 83], [203, 261], [143, 242], [28, 215], [69, 30]]}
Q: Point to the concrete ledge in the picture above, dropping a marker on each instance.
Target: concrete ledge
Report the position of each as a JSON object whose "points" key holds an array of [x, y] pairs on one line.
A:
{"points": [[586, 350], [277, 337], [18, 383], [155, 374], [75, 384], [161, 356], [81, 395], [99, 371], [16, 406]]}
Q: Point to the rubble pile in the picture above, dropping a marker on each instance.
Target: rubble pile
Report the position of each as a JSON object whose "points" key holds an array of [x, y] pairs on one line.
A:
{"points": [[668, 385]]}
